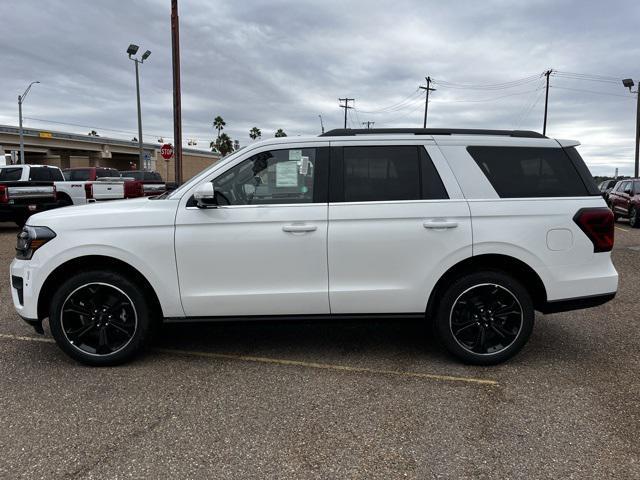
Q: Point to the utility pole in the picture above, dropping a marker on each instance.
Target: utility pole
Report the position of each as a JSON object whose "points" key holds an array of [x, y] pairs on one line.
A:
{"points": [[177, 104], [321, 123], [426, 103], [20, 100], [346, 107], [546, 102], [368, 124]]}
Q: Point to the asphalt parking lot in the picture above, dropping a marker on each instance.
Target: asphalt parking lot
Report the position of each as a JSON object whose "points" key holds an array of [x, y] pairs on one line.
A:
{"points": [[377, 399]]}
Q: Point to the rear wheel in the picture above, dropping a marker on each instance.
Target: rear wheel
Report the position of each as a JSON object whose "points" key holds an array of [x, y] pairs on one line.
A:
{"points": [[634, 221], [485, 318], [100, 318]]}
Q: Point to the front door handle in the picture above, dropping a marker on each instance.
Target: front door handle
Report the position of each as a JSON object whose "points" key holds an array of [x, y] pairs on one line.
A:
{"points": [[439, 224], [299, 228]]}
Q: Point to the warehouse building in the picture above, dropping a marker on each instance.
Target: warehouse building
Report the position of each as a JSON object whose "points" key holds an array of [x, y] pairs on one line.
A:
{"points": [[65, 150]]}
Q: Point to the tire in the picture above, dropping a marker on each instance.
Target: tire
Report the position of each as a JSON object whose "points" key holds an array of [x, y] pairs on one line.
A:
{"points": [[470, 305], [64, 200], [106, 313], [634, 221]]}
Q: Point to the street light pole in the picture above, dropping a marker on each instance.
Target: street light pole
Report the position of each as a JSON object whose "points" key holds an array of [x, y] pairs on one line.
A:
{"points": [[140, 152], [628, 83], [20, 100], [132, 50]]}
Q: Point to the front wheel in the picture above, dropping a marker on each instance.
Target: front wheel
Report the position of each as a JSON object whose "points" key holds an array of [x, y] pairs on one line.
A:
{"points": [[100, 318], [634, 221], [485, 318]]}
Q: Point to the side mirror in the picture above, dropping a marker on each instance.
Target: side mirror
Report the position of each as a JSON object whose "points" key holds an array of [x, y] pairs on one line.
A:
{"points": [[205, 196]]}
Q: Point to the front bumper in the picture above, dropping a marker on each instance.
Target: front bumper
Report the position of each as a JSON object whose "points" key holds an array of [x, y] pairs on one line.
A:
{"points": [[23, 293]]}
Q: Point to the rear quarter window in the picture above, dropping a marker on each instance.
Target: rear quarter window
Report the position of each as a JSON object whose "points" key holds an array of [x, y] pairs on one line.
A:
{"points": [[526, 172]]}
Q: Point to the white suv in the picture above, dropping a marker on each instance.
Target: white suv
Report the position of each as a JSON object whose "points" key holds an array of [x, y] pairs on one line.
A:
{"points": [[473, 229]]}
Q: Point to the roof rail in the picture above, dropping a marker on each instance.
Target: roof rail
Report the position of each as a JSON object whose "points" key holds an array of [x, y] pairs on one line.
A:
{"points": [[349, 132]]}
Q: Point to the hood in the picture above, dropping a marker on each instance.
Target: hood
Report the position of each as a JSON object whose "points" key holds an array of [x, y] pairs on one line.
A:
{"points": [[134, 212]]}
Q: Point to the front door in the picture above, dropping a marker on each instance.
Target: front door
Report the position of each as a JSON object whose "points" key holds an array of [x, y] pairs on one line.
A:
{"points": [[263, 250]]}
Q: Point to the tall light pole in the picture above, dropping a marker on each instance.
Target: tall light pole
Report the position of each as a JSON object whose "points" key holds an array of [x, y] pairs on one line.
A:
{"points": [[628, 83], [132, 50], [20, 100]]}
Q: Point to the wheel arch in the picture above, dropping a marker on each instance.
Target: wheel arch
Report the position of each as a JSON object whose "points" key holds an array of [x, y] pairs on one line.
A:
{"points": [[97, 262], [504, 263]]}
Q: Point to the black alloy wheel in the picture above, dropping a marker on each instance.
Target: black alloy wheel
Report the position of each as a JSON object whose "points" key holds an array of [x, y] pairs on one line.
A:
{"points": [[100, 317], [485, 318]]}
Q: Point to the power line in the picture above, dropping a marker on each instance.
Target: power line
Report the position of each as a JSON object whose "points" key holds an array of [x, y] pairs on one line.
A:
{"points": [[94, 127], [594, 92], [487, 86], [397, 106]]}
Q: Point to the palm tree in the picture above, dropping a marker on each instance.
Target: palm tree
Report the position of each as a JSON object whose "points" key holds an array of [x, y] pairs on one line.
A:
{"points": [[218, 124], [280, 133], [224, 144], [255, 133]]}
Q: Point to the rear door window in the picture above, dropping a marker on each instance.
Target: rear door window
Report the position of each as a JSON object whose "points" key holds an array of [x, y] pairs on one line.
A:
{"points": [[389, 173], [525, 172], [39, 174]]}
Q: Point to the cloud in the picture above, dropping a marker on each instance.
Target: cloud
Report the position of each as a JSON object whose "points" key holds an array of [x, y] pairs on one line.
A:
{"points": [[280, 64]]}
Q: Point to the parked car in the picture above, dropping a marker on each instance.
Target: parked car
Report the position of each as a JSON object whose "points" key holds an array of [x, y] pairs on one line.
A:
{"points": [[606, 187], [20, 196], [472, 229], [152, 183], [68, 193], [103, 183], [624, 200]]}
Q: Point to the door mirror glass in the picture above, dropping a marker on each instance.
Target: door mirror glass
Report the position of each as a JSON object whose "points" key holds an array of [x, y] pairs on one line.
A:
{"points": [[205, 196]]}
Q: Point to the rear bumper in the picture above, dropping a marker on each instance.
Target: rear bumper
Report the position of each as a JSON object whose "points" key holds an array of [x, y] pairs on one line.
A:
{"points": [[579, 303], [9, 211]]}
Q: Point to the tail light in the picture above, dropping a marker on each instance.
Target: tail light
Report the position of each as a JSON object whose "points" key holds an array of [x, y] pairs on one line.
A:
{"points": [[4, 194], [133, 189], [598, 225], [88, 190]]}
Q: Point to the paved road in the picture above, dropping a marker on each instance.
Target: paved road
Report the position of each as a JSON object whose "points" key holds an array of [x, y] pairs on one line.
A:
{"points": [[330, 400]]}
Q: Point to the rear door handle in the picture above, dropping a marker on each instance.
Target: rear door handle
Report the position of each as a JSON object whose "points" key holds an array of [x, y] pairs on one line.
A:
{"points": [[439, 224], [299, 228]]}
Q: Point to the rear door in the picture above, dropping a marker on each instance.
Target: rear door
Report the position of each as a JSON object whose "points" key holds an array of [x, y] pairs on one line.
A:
{"points": [[397, 222]]}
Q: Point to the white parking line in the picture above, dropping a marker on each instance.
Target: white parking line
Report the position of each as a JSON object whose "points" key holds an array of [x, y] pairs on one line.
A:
{"points": [[293, 363]]}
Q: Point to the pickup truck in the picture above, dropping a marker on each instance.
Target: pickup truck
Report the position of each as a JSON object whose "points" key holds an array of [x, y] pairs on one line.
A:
{"points": [[152, 183], [20, 196], [102, 183]]}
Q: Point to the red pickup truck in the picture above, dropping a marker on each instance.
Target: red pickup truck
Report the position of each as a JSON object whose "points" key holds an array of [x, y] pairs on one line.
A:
{"points": [[105, 183]]}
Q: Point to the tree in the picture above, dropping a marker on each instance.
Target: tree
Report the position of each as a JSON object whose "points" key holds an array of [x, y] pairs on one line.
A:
{"points": [[134, 139], [93, 133], [223, 144], [255, 133], [280, 133], [218, 124]]}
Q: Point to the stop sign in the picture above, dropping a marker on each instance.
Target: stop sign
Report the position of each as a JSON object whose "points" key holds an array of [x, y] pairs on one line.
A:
{"points": [[166, 151]]}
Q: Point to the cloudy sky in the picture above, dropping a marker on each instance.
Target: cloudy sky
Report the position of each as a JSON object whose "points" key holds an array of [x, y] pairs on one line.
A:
{"points": [[279, 64]]}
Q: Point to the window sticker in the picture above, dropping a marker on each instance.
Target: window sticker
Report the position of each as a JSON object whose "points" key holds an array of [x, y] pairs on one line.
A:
{"points": [[304, 166], [287, 174], [295, 155]]}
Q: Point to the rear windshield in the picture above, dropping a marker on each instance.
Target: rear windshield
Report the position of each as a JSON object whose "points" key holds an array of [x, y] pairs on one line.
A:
{"points": [[132, 174], [107, 172], [525, 172], [80, 175], [10, 174]]}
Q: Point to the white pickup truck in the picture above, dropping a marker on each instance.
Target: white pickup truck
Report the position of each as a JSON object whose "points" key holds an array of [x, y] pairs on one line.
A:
{"points": [[78, 186]]}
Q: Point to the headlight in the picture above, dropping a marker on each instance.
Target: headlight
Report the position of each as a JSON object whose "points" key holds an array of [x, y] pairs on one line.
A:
{"points": [[30, 239]]}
